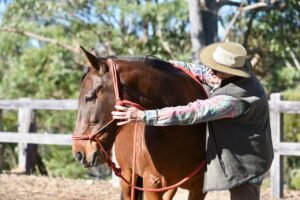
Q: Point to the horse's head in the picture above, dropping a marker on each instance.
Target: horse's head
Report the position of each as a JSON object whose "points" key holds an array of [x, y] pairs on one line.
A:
{"points": [[96, 101]]}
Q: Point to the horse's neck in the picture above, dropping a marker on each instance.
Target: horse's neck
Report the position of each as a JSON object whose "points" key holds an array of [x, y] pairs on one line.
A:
{"points": [[154, 88]]}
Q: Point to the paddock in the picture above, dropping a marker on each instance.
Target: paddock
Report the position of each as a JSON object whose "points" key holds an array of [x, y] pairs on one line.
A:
{"points": [[39, 188]]}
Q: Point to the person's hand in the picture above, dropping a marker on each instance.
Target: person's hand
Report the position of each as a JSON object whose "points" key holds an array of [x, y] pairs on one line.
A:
{"points": [[127, 115]]}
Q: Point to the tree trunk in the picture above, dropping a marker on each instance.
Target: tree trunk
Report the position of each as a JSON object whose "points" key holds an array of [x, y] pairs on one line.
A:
{"points": [[209, 17], [203, 20], [197, 29], [33, 158]]}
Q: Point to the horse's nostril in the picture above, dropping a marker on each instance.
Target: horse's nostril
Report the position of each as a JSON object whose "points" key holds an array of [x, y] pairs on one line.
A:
{"points": [[79, 156]]}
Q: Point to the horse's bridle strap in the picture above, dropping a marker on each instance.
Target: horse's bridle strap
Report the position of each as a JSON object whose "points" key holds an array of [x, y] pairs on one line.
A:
{"points": [[93, 135]]}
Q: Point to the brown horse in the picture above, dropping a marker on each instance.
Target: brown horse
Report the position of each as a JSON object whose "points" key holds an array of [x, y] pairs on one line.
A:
{"points": [[165, 155]]}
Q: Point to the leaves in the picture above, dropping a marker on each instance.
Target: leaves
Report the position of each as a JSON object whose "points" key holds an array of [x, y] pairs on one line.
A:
{"points": [[31, 66]]}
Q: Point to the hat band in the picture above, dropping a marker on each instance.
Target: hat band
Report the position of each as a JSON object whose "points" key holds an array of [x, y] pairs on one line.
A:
{"points": [[224, 57]]}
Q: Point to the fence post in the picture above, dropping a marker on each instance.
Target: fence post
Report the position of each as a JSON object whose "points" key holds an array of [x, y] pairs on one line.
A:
{"points": [[276, 119], [1, 145], [25, 115]]}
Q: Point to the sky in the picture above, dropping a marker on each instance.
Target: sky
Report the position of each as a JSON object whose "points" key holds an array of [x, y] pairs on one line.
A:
{"points": [[224, 11], [2, 8]]}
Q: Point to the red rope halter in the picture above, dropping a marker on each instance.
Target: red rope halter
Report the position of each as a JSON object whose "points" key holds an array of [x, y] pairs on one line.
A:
{"points": [[110, 163]]}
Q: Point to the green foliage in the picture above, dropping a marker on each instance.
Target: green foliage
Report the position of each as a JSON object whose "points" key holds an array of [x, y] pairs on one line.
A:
{"points": [[39, 56], [60, 162], [9, 125], [292, 121], [276, 34], [292, 134], [275, 37], [295, 178]]}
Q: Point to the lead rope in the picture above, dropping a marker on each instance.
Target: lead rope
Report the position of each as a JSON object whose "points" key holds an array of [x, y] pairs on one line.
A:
{"points": [[133, 161]]}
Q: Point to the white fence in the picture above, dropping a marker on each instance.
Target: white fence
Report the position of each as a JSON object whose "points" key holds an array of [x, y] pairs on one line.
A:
{"points": [[26, 107], [277, 108]]}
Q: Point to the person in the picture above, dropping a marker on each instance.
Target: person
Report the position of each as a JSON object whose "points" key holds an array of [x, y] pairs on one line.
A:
{"points": [[239, 146]]}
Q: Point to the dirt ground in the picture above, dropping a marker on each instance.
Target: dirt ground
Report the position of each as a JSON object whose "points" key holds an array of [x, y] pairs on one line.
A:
{"points": [[20, 187]]}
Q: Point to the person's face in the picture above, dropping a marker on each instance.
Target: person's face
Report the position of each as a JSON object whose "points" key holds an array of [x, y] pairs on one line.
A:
{"points": [[222, 75]]}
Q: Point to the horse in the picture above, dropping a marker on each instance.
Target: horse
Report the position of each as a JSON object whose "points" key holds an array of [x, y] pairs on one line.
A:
{"points": [[164, 155]]}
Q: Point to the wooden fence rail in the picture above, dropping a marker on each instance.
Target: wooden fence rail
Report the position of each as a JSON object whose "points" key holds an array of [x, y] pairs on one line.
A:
{"points": [[27, 106], [277, 108]]}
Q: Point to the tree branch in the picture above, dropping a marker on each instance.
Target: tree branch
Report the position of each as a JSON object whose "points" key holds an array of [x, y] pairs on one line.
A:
{"points": [[231, 23], [164, 43], [41, 38], [295, 60], [228, 3], [247, 33], [255, 7], [255, 60]]}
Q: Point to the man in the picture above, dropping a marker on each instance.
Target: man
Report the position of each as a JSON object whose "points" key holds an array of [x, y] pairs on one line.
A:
{"points": [[239, 146]]}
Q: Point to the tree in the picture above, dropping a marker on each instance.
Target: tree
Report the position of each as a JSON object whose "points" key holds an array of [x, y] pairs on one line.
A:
{"points": [[203, 20], [40, 56]]}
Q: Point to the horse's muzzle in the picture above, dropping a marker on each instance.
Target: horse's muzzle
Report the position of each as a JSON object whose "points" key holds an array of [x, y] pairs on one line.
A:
{"points": [[95, 160]]}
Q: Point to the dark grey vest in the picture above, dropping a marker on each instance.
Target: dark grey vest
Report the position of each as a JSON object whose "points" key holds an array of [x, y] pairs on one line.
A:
{"points": [[239, 149]]}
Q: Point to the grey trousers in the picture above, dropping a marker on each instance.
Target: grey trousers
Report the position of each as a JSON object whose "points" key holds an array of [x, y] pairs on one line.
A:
{"points": [[246, 191]]}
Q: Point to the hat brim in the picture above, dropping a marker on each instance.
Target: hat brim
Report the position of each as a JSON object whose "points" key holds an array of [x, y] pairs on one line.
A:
{"points": [[207, 59]]}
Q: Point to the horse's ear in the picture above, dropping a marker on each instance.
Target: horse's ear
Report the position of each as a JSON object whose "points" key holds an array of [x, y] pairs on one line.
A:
{"points": [[93, 51], [90, 58]]}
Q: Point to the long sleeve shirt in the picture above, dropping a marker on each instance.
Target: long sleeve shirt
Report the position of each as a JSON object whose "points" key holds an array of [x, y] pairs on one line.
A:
{"points": [[217, 107], [201, 72]]}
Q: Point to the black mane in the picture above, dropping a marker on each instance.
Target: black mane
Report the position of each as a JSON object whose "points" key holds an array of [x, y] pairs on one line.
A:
{"points": [[150, 61]]}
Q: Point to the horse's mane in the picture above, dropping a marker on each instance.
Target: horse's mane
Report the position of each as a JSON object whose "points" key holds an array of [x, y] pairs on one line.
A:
{"points": [[150, 61]]}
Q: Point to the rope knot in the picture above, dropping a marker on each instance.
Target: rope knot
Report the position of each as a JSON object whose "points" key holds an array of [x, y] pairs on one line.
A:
{"points": [[119, 102], [118, 172], [113, 166], [91, 137]]}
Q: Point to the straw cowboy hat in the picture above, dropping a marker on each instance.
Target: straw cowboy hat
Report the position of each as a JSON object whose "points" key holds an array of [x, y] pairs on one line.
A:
{"points": [[227, 57]]}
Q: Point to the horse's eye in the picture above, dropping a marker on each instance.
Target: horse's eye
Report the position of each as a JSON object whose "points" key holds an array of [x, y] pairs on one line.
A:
{"points": [[92, 95], [88, 98]]}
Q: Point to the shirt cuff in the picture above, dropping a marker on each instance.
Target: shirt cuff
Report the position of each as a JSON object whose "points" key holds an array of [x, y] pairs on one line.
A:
{"points": [[151, 117]]}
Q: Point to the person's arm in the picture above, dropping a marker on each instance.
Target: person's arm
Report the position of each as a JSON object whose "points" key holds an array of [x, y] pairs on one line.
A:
{"points": [[201, 72], [217, 107]]}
